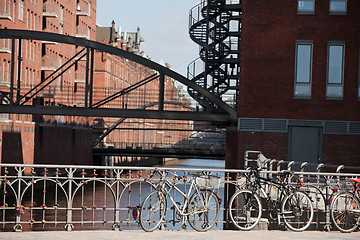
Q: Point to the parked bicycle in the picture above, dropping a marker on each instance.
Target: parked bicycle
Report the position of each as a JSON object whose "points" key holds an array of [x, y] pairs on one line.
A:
{"points": [[345, 208], [201, 210], [293, 207]]}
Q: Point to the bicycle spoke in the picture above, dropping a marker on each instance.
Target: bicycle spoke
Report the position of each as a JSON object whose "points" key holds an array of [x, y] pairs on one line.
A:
{"points": [[152, 211], [245, 210], [203, 210], [297, 211], [342, 214]]}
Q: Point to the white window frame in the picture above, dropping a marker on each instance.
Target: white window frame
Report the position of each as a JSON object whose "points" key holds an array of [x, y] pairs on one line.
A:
{"points": [[337, 12], [305, 11], [330, 85], [298, 83], [21, 10]]}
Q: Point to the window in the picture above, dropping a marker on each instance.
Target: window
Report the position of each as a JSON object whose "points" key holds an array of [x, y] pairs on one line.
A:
{"points": [[303, 67], [338, 6], [335, 71], [21, 10], [306, 6]]}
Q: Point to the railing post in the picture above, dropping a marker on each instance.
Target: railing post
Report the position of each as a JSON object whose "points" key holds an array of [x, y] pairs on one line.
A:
{"points": [[69, 226], [318, 169], [279, 165], [18, 227], [339, 168], [246, 159], [302, 168], [271, 168], [116, 225], [289, 166]]}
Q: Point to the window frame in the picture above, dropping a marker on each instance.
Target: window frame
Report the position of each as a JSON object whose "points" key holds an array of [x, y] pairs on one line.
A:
{"points": [[21, 10], [306, 12], [338, 12], [330, 44], [296, 83]]}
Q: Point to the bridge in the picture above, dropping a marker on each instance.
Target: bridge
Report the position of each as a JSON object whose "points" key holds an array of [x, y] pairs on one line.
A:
{"points": [[214, 25], [204, 145], [90, 109]]}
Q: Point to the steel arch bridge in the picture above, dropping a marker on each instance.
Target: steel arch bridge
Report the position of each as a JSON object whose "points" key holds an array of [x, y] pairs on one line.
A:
{"points": [[15, 103]]}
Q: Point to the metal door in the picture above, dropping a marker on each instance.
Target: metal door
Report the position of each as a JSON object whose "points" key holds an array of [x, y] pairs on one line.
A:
{"points": [[304, 145]]}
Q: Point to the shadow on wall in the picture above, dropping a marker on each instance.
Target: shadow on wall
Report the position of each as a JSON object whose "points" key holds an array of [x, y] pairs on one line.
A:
{"points": [[11, 148], [63, 145]]}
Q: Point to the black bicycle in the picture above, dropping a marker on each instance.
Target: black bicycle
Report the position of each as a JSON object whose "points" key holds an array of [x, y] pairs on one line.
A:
{"points": [[292, 206]]}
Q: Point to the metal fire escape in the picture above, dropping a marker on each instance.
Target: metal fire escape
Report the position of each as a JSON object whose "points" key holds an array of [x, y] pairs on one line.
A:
{"points": [[215, 25]]}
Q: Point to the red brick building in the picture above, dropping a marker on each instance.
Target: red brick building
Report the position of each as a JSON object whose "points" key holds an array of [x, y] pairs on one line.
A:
{"points": [[113, 73], [299, 82], [26, 138], [62, 139]]}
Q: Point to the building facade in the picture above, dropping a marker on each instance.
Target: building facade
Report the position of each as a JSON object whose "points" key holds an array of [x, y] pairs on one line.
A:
{"points": [[299, 94], [27, 138], [113, 74], [67, 139]]}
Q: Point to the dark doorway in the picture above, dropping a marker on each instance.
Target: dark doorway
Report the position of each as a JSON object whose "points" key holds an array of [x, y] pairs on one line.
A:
{"points": [[305, 145]]}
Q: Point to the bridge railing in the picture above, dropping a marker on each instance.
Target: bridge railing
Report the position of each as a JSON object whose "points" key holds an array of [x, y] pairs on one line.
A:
{"points": [[190, 146], [54, 197]]}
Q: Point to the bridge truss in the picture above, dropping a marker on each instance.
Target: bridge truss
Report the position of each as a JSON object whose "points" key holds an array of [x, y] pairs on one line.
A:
{"points": [[16, 101]]}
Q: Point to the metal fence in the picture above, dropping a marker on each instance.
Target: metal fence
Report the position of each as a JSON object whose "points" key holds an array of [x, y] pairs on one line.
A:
{"points": [[54, 197]]}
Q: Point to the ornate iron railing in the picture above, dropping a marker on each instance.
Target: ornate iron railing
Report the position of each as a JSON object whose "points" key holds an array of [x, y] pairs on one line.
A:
{"points": [[54, 197]]}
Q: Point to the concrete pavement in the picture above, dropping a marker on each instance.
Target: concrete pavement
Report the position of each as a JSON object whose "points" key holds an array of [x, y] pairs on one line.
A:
{"points": [[179, 235]]}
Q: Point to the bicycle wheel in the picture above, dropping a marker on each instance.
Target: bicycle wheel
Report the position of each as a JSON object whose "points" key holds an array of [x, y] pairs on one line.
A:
{"points": [[203, 210], [245, 209], [152, 211], [297, 211], [345, 212]]}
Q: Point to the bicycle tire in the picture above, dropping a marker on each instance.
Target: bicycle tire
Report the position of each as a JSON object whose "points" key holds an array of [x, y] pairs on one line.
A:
{"points": [[152, 211], [203, 210], [245, 214], [297, 211], [341, 212]]}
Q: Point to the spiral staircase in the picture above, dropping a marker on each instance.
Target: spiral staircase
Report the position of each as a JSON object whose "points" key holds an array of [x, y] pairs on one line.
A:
{"points": [[215, 25]]}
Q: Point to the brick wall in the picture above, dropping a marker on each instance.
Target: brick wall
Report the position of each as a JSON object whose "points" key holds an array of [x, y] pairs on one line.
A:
{"points": [[269, 33], [270, 30]]}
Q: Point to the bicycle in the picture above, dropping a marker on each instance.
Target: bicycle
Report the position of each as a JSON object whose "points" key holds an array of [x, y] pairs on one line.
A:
{"points": [[345, 208], [294, 207], [201, 210]]}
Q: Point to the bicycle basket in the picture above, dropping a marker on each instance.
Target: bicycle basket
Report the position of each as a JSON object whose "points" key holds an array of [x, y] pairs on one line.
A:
{"points": [[208, 181]]}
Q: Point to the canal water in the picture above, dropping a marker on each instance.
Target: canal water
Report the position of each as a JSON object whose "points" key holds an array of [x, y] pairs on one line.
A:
{"points": [[94, 204], [196, 163]]}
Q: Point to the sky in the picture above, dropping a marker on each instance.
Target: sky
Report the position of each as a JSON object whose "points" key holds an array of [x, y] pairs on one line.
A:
{"points": [[163, 25]]}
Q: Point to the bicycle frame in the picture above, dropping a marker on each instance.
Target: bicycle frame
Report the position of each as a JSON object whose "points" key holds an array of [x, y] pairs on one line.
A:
{"points": [[172, 186], [283, 187]]}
